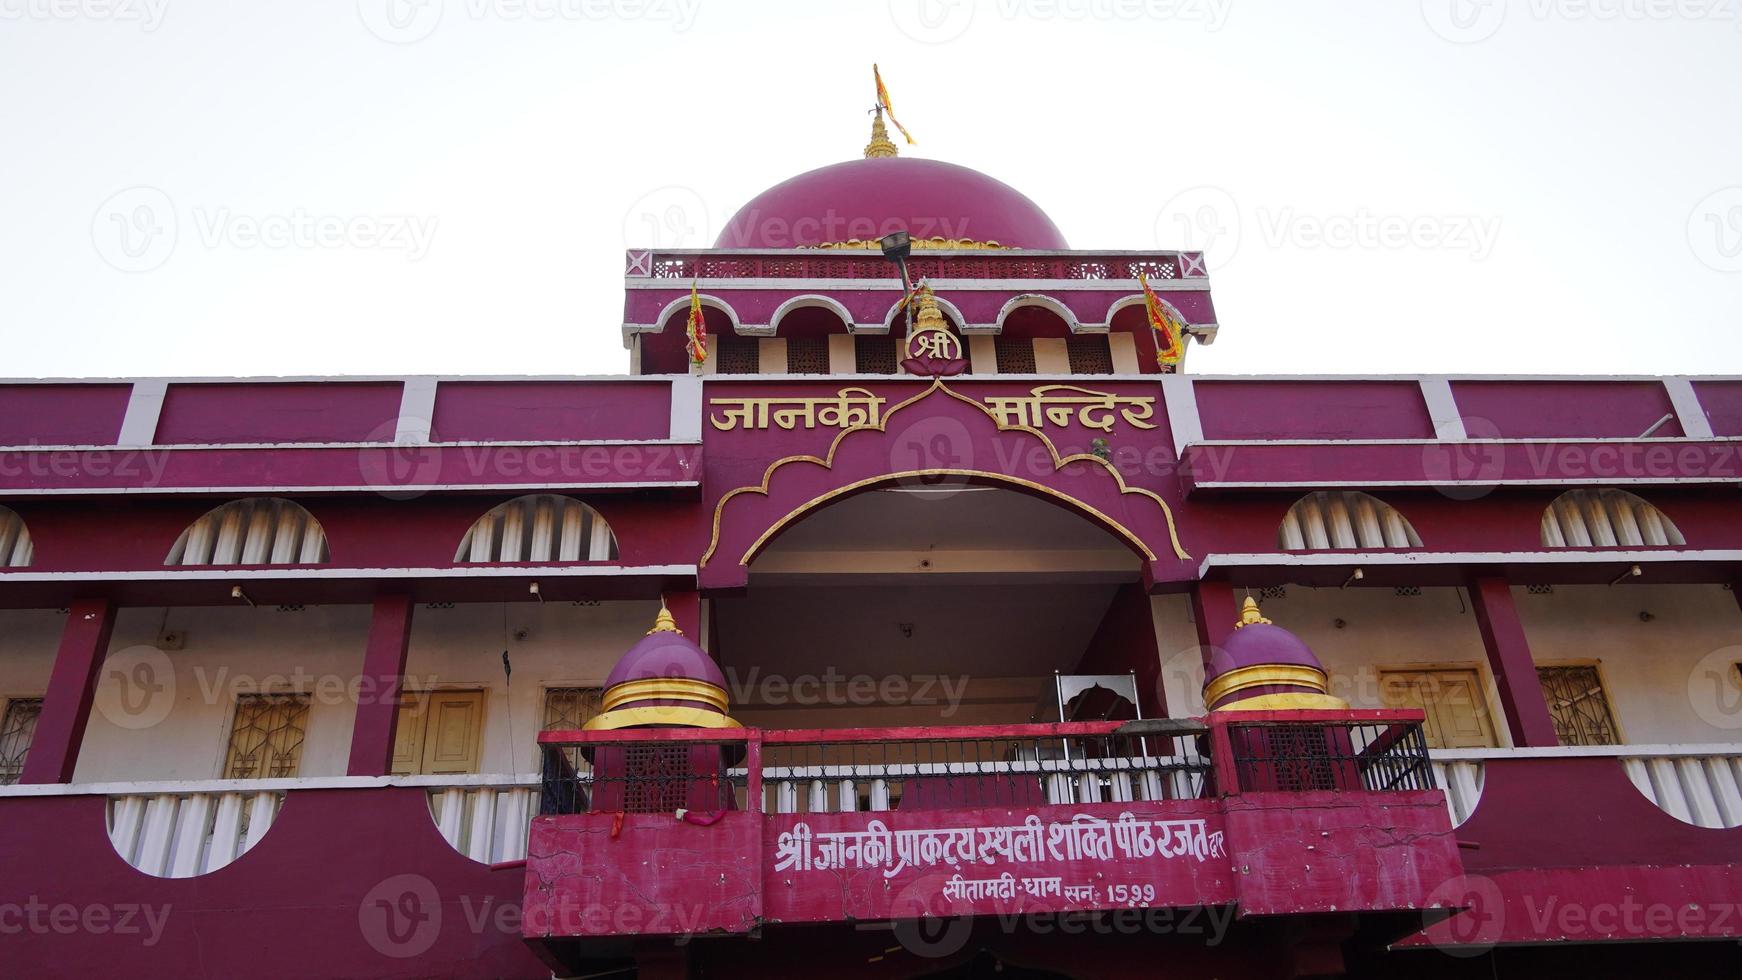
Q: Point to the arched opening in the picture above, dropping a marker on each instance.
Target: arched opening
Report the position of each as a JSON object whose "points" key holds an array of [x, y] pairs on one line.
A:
{"points": [[1344, 520], [539, 527], [16, 551], [252, 531], [1129, 318], [1607, 518], [663, 352], [929, 605]]}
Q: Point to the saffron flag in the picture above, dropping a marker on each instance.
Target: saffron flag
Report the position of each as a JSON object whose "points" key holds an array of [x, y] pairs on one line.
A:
{"points": [[1170, 345], [883, 103], [697, 330]]}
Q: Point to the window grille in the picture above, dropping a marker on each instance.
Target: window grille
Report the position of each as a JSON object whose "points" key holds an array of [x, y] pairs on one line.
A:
{"points": [[570, 708], [253, 531], [16, 550], [538, 527], [874, 355], [737, 355], [1344, 519], [1089, 354], [1578, 705], [807, 355], [17, 729], [266, 736], [1015, 355], [1606, 519]]}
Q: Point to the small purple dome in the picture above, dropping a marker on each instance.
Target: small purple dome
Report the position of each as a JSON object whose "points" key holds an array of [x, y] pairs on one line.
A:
{"points": [[867, 199], [1266, 643], [666, 654]]}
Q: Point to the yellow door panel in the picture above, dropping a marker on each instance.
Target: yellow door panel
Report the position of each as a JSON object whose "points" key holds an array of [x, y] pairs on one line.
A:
{"points": [[408, 736], [452, 730], [1457, 714]]}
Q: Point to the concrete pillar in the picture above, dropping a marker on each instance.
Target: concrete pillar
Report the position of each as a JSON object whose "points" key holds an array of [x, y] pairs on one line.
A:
{"points": [[378, 689], [1509, 657], [1215, 613], [72, 684]]}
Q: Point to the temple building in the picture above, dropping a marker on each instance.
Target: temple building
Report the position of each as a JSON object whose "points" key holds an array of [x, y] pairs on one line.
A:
{"points": [[908, 609]]}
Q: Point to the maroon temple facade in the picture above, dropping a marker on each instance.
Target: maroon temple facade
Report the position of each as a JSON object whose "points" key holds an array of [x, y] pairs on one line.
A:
{"points": [[818, 656]]}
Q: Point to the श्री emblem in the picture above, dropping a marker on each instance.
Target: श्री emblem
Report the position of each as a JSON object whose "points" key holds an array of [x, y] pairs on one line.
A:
{"points": [[932, 351]]}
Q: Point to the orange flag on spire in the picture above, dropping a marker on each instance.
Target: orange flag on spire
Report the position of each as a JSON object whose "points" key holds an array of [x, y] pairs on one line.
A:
{"points": [[1170, 345], [883, 103], [696, 329]]}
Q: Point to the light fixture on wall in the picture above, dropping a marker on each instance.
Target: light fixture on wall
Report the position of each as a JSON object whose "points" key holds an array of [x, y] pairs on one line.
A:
{"points": [[1633, 571]]}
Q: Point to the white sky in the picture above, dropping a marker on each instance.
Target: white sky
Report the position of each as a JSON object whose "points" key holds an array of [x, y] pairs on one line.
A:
{"points": [[1598, 143]]}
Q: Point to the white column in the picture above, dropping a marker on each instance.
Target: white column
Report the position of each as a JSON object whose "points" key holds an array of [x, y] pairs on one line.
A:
{"points": [[1688, 410], [1442, 409]]}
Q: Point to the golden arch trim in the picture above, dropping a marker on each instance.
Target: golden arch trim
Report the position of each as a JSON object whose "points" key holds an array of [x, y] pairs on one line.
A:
{"points": [[1133, 540]]}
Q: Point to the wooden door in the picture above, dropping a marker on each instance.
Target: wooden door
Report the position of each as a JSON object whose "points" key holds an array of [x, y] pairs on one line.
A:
{"points": [[439, 733], [1457, 712]]}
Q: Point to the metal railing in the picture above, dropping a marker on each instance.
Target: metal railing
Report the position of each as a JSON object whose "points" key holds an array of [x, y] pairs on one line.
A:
{"points": [[845, 771], [1304, 751]]}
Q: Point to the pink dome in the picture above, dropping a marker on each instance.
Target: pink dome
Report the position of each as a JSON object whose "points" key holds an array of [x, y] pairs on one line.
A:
{"points": [[867, 199]]}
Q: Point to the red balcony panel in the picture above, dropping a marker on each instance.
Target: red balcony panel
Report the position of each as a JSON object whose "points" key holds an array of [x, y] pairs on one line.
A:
{"points": [[1564, 409], [62, 415], [1483, 464], [541, 411], [636, 874], [1312, 410], [279, 413], [1722, 401], [1323, 851]]}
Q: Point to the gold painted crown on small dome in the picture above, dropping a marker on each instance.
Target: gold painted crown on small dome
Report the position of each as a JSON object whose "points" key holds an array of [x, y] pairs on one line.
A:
{"points": [[1251, 615], [665, 622]]}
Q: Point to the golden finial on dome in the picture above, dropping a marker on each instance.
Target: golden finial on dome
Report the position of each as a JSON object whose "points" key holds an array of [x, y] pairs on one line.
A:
{"points": [[1250, 614], [664, 622], [881, 145], [929, 316]]}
